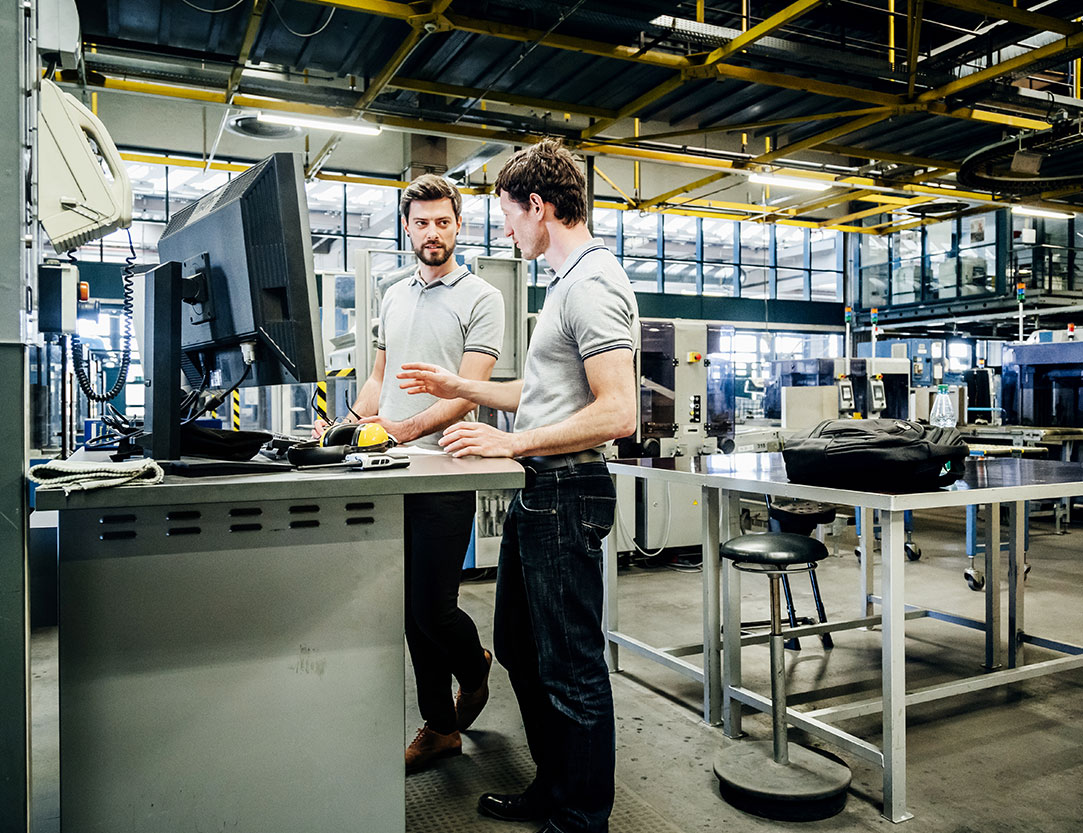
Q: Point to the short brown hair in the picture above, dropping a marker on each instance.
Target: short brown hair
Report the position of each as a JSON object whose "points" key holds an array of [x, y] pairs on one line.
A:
{"points": [[429, 187], [549, 170]]}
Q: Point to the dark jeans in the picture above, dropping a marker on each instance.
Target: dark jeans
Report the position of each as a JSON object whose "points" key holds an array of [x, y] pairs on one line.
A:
{"points": [[548, 635], [443, 640]]}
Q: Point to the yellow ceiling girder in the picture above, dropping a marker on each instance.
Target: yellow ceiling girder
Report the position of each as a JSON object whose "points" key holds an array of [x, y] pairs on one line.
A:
{"points": [[684, 189], [869, 212], [614, 185], [749, 126], [1003, 11], [255, 18], [825, 136], [379, 81], [1057, 47], [761, 30], [939, 108], [793, 82], [635, 106], [828, 202], [884, 156], [417, 85]]}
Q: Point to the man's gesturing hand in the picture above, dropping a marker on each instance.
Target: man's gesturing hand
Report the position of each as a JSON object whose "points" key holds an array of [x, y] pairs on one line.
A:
{"points": [[430, 378], [477, 438]]}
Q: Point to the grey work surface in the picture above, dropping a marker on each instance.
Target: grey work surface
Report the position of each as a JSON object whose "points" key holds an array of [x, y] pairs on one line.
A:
{"points": [[724, 478], [1000, 480], [426, 473], [231, 649]]}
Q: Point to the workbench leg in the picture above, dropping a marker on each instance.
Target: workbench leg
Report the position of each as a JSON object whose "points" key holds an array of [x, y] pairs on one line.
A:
{"points": [[1017, 514], [731, 631], [712, 624], [992, 587], [892, 593], [867, 541]]}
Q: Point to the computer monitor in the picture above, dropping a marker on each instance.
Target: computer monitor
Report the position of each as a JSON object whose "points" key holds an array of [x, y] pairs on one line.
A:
{"points": [[250, 241], [233, 302]]}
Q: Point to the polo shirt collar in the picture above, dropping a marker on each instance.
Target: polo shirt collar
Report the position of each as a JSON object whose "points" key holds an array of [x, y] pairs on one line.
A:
{"points": [[572, 260], [450, 279]]}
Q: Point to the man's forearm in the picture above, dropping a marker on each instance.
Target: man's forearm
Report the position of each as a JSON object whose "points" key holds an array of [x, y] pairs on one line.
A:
{"points": [[594, 425], [367, 402], [436, 417], [503, 396]]}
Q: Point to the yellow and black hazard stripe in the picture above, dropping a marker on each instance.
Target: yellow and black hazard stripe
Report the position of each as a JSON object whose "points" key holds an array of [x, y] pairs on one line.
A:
{"points": [[319, 400], [235, 409], [341, 374]]}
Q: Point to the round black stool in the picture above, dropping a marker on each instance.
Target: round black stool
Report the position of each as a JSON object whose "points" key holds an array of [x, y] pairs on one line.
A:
{"points": [[775, 780]]}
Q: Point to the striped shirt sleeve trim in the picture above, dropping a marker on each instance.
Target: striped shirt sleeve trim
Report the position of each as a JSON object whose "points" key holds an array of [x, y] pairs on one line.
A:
{"points": [[624, 345]]}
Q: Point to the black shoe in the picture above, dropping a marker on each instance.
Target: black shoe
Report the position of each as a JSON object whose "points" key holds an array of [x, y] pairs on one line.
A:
{"points": [[515, 807]]}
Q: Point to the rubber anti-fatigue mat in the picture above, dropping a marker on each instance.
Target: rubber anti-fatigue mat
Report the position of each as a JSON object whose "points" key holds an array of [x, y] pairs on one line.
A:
{"points": [[444, 798]]}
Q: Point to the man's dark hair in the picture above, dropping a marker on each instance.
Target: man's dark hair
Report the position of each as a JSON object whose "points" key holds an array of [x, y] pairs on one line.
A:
{"points": [[428, 187], [549, 170]]}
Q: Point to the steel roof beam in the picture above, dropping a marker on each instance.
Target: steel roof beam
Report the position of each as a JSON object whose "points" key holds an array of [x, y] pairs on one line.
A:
{"points": [[417, 85], [1001, 11], [825, 136]]}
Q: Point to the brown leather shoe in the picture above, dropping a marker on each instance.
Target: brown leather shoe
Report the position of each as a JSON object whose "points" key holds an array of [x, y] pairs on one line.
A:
{"points": [[468, 704], [430, 745]]}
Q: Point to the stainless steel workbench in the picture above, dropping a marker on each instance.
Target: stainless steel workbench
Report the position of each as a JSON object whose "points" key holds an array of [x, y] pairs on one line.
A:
{"points": [[231, 649], [723, 479]]}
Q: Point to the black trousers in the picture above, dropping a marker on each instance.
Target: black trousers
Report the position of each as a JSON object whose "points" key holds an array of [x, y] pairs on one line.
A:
{"points": [[443, 640]]}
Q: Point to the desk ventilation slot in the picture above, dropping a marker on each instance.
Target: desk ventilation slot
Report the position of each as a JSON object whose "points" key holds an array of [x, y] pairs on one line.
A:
{"points": [[117, 535], [245, 512], [182, 515], [304, 509], [117, 519], [360, 520], [306, 524], [359, 507], [183, 530], [245, 527]]}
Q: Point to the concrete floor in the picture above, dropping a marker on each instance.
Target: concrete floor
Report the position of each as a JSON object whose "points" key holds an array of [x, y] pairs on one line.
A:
{"points": [[1009, 759]]}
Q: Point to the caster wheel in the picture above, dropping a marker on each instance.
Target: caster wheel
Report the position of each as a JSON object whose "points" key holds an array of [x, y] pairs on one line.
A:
{"points": [[974, 578], [746, 520], [857, 553], [913, 552]]}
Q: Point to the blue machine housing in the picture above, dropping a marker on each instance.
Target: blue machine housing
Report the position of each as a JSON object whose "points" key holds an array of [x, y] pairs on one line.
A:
{"points": [[1042, 384]]}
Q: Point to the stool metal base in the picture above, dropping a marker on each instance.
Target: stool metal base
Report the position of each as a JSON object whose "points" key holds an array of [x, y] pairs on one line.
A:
{"points": [[812, 786]]}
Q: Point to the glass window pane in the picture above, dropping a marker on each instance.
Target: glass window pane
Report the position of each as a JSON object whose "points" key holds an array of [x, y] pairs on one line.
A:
{"points": [[790, 283], [325, 206], [473, 231], [679, 237], [908, 244], [718, 239], [789, 247], [873, 249], [754, 281], [718, 279], [825, 245], [642, 273], [874, 286], [356, 244], [905, 283], [1056, 232], [148, 190], [825, 286], [942, 277], [978, 270], [679, 278], [327, 253], [640, 234], [755, 243], [605, 226], [938, 237], [372, 210]]}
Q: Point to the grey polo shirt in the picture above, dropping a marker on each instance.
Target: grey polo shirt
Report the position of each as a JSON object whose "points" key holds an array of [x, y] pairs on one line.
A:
{"points": [[589, 308], [435, 323]]}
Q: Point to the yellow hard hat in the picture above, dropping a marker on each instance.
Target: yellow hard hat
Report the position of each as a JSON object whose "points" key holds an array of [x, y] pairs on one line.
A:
{"points": [[368, 437]]}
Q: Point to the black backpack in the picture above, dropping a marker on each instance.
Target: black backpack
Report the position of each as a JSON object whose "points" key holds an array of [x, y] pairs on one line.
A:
{"points": [[890, 455]]}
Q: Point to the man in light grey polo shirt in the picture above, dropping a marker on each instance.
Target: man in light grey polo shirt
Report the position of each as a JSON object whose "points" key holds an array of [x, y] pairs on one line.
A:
{"points": [[579, 391], [446, 315]]}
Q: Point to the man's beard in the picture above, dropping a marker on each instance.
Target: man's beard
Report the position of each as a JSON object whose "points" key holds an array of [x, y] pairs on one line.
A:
{"points": [[435, 258]]}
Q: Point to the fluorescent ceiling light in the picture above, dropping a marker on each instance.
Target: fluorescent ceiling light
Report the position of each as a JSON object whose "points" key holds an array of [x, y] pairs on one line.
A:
{"points": [[790, 182], [361, 128], [1038, 212]]}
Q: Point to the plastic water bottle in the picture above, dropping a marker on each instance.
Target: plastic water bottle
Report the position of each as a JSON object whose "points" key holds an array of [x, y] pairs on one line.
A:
{"points": [[942, 414]]}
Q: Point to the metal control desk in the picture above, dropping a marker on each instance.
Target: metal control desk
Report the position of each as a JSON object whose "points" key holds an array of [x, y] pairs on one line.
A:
{"points": [[231, 649], [722, 480]]}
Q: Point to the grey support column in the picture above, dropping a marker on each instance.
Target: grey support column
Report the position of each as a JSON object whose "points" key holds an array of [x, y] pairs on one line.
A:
{"points": [[14, 408]]}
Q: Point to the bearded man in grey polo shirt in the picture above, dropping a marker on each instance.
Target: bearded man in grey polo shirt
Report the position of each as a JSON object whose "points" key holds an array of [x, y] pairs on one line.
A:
{"points": [[443, 314], [578, 392]]}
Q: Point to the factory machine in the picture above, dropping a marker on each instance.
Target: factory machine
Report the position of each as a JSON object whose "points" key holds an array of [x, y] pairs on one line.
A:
{"points": [[1042, 384], [687, 407], [845, 387]]}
